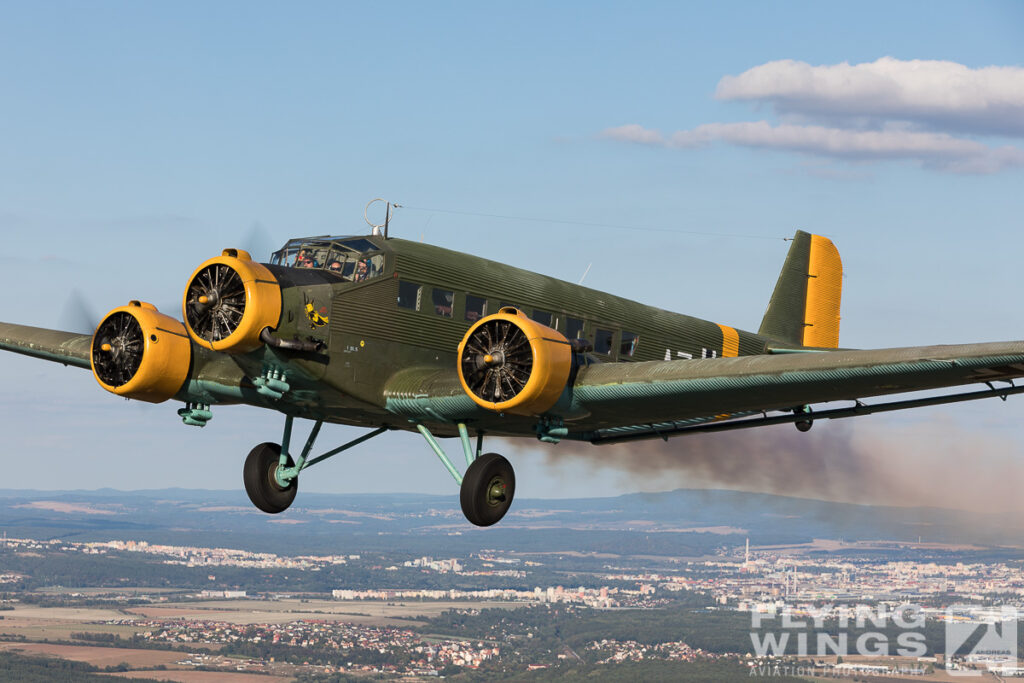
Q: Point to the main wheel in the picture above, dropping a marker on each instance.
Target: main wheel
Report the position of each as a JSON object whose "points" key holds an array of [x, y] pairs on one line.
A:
{"points": [[260, 476], [804, 425], [487, 489]]}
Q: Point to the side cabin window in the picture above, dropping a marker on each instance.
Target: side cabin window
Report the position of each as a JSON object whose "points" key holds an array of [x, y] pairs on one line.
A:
{"points": [[476, 307], [574, 328], [627, 345], [603, 341], [409, 295], [545, 318], [444, 302]]}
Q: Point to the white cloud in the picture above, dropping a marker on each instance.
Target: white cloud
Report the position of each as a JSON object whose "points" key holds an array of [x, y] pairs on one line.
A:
{"points": [[925, 111], [935, 150], [938, 94], [633, 132]]}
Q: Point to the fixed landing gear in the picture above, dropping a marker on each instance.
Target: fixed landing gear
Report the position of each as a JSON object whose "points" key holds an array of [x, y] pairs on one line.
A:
{"points": [[261, 481], [485, 492], [271, 476], [806, 424], [487, 489]]}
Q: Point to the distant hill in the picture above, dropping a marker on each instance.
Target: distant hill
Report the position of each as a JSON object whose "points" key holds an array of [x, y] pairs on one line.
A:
{"points": [[687, 522]]}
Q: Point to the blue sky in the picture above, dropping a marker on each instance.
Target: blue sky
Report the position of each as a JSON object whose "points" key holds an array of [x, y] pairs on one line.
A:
{"points": [[141, 138]]}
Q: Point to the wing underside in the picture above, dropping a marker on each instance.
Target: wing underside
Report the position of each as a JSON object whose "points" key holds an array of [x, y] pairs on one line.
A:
{"points": [[53, 345], [643, 400]]}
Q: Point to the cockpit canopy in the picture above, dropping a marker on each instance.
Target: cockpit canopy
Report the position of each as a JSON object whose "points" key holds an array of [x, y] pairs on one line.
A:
{"points": [[351, 258]]}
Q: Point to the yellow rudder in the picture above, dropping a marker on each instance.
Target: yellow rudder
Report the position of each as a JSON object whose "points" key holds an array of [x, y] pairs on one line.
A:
{"points": [[824, 292]]}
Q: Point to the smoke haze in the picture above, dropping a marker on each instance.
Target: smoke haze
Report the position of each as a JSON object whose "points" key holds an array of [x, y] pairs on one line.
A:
{"points": [[930, 464]]}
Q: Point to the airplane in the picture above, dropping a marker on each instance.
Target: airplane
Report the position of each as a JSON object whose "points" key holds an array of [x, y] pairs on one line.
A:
{"points": [[390, 334]]}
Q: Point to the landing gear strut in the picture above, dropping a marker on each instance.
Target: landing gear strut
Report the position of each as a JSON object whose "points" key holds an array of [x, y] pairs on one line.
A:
{"points": [[487, 489], [271, 476]]}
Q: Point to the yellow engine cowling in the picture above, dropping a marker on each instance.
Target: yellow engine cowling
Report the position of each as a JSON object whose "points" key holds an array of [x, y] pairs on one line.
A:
{"points": [[509, 363], [229, 301], [140, 353]]}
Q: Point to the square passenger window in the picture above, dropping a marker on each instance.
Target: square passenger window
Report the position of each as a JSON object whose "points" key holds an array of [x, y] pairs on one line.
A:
{"points": [[443, 301], [603, 341], [476, 307], [544, 318], [627, 347], [409, 295]]}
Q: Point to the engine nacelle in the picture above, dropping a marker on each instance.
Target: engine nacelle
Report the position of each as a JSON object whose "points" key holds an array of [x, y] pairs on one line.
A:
{"points": [[228, 302], [140, 353], [509, 363]]}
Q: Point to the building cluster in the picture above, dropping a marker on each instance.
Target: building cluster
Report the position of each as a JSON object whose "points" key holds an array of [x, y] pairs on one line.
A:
{"points": [[616, 651], [456, 567], [230, 595], [600, 598], [757, 580], [415, 653], [189, 556], [192, 556], [441, 566], [778, 578]]}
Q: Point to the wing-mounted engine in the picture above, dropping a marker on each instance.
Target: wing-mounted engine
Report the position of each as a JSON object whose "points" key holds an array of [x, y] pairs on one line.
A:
{"points": [[138, 352], [230, 299], [509, 363]]}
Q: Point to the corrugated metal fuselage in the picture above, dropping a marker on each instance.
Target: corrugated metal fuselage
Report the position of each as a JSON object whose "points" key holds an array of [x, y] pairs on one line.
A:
{"points": [[371, 339]]}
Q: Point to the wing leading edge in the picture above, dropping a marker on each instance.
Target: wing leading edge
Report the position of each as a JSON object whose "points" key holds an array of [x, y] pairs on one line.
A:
{"points": [[53, 345]]}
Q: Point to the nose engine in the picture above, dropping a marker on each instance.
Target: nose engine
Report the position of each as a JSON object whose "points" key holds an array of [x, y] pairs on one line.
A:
{"points": [[140, 353], [229, 301]]}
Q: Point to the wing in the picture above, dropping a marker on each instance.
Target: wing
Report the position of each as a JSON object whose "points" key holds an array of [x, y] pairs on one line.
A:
{"points": [[656, 399], [609, 402], [61, 347]]}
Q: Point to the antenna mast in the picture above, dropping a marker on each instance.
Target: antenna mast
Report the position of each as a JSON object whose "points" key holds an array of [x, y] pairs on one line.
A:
{"points": [[387, 216]]}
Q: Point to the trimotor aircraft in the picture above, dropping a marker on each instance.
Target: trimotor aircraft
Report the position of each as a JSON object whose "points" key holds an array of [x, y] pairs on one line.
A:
{"points": [[388, 334]]}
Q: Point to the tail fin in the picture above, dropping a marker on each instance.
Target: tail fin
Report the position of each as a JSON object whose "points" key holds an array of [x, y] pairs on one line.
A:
{"points": [[804, 308]]}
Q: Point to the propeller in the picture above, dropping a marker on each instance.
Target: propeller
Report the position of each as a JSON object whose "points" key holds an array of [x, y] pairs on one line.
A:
{"points": [[259, 242], [497, 361], [215, 302], [117, 349], [78, 314]]}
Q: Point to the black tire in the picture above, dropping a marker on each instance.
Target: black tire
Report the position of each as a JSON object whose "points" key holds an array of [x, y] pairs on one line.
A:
{"points": [[260, 480], [487, 489]]}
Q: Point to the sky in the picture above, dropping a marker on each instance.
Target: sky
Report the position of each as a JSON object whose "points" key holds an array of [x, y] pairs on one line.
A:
{"points": [[664, 146]]}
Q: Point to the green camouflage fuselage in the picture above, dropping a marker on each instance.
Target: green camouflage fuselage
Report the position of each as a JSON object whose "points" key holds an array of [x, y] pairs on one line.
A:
{"points": [[380, 356]]}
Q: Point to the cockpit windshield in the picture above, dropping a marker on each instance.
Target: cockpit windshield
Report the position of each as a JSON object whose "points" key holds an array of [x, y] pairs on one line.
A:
{"points": [[352, 258]]}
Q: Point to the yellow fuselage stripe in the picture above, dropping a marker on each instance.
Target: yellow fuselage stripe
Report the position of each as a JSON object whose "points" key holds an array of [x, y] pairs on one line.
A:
{"points": [[730, 342]]}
